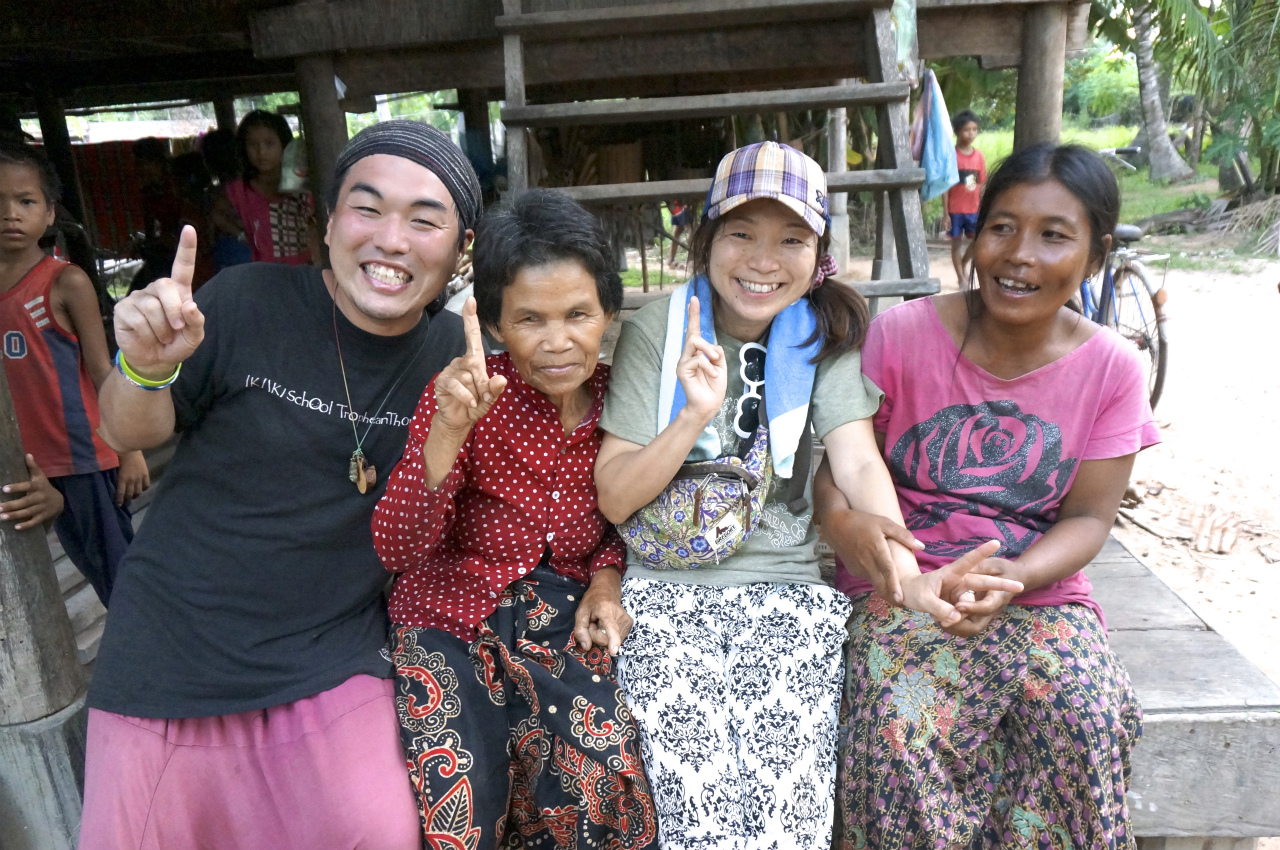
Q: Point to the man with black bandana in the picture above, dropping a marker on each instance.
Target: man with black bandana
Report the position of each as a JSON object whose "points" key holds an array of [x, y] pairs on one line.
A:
{"points": [[241, 697]]}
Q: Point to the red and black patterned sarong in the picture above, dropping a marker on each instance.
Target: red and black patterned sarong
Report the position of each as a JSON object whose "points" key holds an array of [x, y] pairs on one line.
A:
{"points": [[519, 738]]}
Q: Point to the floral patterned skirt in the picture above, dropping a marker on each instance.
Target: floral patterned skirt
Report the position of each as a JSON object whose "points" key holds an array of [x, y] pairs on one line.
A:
{"points": [[519, 739], [1017, 737]]}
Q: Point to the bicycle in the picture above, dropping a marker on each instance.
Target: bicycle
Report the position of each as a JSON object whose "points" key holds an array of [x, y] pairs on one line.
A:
{"points": [[1126, 301]]}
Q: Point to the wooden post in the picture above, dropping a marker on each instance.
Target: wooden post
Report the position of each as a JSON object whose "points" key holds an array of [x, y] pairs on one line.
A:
{"points": [[1038, 117], [894, 151], [475, 112], [323, 122], [225, 110], [837, 152], [42, 685], [57, 146], [513, 75], [644, 250]]}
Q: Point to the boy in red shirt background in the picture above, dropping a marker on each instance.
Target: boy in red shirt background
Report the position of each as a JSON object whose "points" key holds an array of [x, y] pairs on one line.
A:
{"points": [[960, 203], [55, 357]]}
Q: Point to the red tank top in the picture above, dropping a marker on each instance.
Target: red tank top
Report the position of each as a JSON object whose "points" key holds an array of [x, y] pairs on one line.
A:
{"points": [[53, 395]]}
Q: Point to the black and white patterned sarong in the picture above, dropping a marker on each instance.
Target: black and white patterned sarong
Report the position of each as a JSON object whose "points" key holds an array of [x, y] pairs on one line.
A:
{"points": [[735, 691]]}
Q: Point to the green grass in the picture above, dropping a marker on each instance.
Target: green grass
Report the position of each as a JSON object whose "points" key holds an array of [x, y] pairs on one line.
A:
{"points": [[1139, 197]]}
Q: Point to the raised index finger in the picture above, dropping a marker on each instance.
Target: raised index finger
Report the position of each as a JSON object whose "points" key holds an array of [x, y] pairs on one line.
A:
{"points": [[471, 325], [184, 262], [972, 558], [693, 330]]}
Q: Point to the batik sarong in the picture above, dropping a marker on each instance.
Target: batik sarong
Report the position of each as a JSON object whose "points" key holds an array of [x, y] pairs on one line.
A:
{"points": [[1017, 737], [519, 739]]}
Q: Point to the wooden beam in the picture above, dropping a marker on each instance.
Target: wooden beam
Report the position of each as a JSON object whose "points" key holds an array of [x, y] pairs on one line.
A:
{"points": [[1038, 115], [1203, 775], [321, 27], [951, 31], [766, 55], [659, 190], [631, 20], [704, 106], [897, 288]]}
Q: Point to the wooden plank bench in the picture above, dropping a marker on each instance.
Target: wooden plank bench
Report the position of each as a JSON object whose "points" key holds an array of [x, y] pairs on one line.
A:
{"points": [[1206, 774]]}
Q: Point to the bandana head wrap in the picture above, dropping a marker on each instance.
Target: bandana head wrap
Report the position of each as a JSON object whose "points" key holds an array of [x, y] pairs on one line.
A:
{"points": [[426, 146]]}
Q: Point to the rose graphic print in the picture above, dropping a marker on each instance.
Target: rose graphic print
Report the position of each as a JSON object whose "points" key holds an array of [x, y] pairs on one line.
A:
{"points": [[989, 461]]}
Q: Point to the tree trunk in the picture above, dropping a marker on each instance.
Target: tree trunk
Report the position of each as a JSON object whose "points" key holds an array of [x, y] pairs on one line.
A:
{"points": [[1165, 162], [1196, 145]]}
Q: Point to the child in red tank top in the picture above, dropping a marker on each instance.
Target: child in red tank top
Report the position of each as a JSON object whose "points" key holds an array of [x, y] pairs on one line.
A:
{"points": [[55, 356]]}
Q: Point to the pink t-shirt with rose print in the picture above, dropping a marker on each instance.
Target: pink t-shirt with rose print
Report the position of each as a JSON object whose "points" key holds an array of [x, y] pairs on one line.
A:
{"points": [[976, 458]]}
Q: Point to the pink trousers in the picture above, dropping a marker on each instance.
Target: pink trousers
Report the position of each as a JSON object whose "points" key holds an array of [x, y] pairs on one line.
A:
{"points": [[322, 773]]}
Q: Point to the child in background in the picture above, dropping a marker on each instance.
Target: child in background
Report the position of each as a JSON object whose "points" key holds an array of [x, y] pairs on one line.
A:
{"points": [[960, 203], [279, 227], [55, 358]]}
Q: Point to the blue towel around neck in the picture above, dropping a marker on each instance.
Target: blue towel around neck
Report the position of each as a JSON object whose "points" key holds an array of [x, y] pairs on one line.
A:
{"points": [[788, 373]]}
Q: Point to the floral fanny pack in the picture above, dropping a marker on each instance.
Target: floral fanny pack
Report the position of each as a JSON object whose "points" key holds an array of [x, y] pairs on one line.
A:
{"points": [[707, 511]]}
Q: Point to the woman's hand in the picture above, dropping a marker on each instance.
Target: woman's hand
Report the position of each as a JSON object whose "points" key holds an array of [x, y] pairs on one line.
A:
{"points": [[464, 394], [464, 390], [702, 370], [40, 502], [601, 619], [863, 541], [942, 592], [133, 477], [987, 589]]}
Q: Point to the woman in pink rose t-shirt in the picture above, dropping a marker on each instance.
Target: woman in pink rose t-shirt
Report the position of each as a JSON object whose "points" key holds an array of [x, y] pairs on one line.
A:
{"points": [[1007, 417]]}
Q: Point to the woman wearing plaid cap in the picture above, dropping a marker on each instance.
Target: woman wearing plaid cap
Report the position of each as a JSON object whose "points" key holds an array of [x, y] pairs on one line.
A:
{"points": [[733, 667]]}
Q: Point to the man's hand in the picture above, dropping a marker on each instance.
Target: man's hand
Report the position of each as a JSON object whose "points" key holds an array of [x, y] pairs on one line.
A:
{"points": [[160, 326], [864, 538], [601, 619], [701, 369], [464, 390], [40, 501], [133, 477]]}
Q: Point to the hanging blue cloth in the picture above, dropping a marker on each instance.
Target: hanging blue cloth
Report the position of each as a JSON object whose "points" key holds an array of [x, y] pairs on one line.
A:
{"points": [[939, 154]]}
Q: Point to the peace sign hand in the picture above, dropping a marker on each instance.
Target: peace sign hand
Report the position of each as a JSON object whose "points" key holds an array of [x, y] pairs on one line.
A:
{"points": [[160, 326], [701, 369], [464, 390]]}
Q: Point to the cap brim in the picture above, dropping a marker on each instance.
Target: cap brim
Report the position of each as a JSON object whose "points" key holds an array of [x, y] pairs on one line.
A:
{"points": [[816, 222]]}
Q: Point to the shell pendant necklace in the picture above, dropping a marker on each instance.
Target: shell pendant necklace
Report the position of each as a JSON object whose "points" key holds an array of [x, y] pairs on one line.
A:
{"points": [[360, 471]]}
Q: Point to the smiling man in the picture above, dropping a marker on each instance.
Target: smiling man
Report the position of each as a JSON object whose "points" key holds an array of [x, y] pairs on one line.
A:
{"points": [[241, 698]]}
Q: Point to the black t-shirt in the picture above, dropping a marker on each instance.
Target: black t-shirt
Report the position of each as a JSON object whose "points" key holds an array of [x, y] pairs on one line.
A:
{"points": [[253, 581]]}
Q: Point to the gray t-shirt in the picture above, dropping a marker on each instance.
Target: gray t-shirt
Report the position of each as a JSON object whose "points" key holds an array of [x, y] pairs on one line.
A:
{"points": [[782, 547]]}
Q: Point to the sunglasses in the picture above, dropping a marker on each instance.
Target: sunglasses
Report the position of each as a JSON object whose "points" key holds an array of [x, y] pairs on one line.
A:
{"points": [[751, 369]]}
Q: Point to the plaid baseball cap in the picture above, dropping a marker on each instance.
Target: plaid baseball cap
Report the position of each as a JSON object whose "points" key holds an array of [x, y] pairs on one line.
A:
{"points": [[770, 170]]}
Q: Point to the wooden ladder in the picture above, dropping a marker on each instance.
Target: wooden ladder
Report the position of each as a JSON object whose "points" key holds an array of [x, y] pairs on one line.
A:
{"points": [[895, 175]]}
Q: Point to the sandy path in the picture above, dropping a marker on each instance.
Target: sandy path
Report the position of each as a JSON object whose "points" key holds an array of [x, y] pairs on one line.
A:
{"points": [[1220, 417]]}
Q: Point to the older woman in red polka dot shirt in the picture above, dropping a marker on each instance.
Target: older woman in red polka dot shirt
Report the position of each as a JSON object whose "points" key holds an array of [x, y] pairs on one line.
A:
{"points": [[507, 609]]}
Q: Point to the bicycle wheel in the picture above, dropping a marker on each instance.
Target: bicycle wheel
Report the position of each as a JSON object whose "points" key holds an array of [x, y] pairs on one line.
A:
{"points": [[1133, 309]]}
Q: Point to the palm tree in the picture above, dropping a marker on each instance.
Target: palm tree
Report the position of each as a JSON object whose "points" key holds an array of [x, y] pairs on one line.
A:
{"points": [[1166, 164]]}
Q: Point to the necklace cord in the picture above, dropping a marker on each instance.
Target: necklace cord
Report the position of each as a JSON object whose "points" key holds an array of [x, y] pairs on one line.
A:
{"points": [[342, 366]]}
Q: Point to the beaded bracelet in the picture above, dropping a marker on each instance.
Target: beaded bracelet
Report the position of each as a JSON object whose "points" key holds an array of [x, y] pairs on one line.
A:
{"points": [[139, 381]]}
